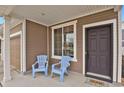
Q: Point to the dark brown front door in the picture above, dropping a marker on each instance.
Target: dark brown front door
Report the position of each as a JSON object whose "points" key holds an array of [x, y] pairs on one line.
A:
{"points": [[98, 51]]}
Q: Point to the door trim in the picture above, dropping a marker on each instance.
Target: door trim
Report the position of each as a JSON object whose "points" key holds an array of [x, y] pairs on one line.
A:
{"points": [[24, 46], [112, 21], [99, 75]]}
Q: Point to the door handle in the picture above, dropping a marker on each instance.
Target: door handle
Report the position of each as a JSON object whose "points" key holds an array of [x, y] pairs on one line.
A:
{"points": [[87, 55]]}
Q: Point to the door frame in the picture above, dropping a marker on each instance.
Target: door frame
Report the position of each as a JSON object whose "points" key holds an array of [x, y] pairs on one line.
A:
{"points": [[112, 21], [95, 75]]}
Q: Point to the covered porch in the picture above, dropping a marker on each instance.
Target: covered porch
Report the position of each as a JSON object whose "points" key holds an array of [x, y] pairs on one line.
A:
{"points": [[74, 79], [41, 15]]}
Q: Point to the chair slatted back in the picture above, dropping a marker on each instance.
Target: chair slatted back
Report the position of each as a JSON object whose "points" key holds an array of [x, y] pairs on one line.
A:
{"points": [[41, 59], [65, 62]]}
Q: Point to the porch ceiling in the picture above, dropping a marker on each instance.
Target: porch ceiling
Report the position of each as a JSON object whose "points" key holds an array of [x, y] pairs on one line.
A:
{"points": [[50, 14]]}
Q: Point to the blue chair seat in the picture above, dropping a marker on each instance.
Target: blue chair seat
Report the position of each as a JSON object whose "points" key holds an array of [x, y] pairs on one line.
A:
{"points": [[57, 70], [39, 70]]}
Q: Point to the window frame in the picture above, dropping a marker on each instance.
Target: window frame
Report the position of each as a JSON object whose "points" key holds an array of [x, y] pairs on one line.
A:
{"points": [[74, 23]]}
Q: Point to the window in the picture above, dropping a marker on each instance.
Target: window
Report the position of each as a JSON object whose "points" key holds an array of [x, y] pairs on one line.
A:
{"points": [[58, 42], [68, 47], [64, 40]]}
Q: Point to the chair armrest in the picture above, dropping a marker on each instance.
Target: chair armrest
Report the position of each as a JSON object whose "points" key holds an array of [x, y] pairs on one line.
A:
{"points": [[68, 64], [47, 64], [53, 65], [33, 66]]}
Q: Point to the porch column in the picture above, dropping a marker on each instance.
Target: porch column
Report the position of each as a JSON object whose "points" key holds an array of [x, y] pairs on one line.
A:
{"points": [[119, 46], [6, 49]]}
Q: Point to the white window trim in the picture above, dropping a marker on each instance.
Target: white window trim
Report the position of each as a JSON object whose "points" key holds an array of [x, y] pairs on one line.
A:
{"points": [[75, 42], [113, 21]]}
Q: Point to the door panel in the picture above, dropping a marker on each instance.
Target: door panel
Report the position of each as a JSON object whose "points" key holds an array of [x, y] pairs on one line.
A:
{"points": [[99, 50]]}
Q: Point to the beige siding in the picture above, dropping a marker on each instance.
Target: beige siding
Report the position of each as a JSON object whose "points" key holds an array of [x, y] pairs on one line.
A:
{"points": [[15, 45], [16, 29], [106, 15], [36, 42], [15, 52]]}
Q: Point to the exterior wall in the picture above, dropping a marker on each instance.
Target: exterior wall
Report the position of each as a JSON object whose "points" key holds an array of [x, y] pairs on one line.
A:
{"points": [[16, 29], [101, 16], [122, 27], [15, 52], [0, 46], [36, 42], [122, 49], [15, 45]]}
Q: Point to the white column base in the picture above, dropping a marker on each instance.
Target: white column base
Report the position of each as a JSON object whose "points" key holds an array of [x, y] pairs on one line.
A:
{"points": [[5, 79]]}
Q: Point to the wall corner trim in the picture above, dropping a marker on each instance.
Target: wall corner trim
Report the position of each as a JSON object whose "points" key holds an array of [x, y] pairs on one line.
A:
{"points": [[24, 46]]}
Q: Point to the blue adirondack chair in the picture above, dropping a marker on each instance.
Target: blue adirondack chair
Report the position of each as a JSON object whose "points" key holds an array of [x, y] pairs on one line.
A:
{"points": [[41, 65], [64, 64]]}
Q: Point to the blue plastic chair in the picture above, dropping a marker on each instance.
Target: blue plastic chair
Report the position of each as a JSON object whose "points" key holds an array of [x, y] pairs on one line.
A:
{"points": [[64, 64], [41, 65]]}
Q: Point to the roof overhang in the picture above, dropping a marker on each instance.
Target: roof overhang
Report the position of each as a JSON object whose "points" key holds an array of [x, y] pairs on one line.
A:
{"points": [[51, 14]]}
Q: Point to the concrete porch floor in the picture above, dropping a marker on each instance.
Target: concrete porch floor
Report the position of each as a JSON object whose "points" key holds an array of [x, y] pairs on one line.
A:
{"points": [[72, 80]]}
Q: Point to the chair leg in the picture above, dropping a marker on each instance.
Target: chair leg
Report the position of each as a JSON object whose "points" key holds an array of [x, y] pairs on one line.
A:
{"points": [[51, 74], [62, 77], [33, 74], [66, 72], [46, 72]]}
